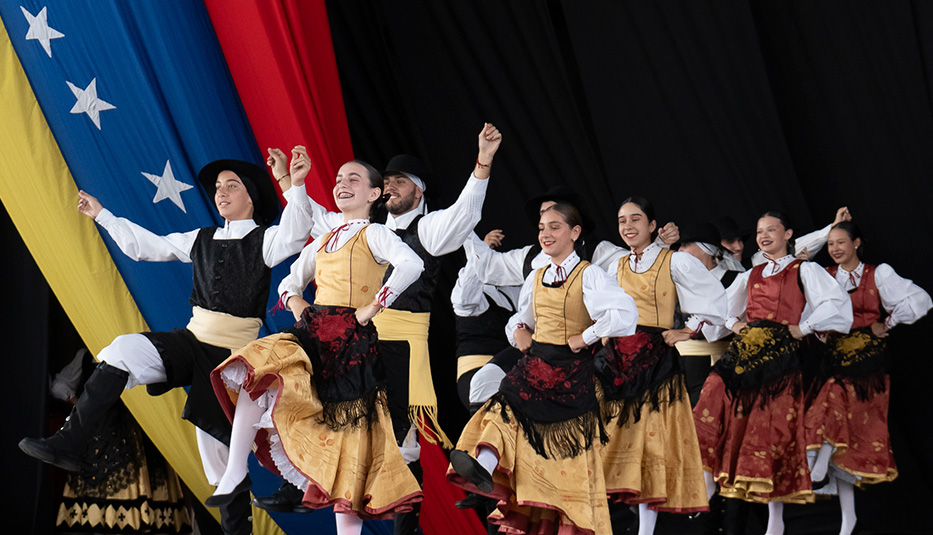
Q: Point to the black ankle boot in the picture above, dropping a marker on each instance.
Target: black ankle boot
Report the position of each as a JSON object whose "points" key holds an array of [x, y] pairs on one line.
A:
{"points": [[236, 516], [66, 447], [407, 523]]}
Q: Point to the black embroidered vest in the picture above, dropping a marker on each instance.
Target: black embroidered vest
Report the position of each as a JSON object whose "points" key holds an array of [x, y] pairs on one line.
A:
{"points": [[418, 296], [230, 276]]}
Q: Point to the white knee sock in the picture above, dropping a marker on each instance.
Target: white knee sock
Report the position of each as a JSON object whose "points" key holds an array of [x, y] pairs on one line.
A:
{"points": [[646, 519], [487, 459], [821, 465], [710, 485], [847, 505], [775, 519], [247, 415], [348, 524]]}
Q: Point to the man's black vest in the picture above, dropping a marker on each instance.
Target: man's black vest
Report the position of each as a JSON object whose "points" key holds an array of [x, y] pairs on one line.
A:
{"points": [[230, 276], [483, 334], [418, 296]]}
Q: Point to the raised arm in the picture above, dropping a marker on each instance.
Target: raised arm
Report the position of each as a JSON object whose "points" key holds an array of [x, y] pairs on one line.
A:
{"points": [[297, 221], [444, 231], [135, 241]]}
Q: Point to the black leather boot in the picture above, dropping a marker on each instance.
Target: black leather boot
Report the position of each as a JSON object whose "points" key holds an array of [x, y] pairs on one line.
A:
{"points": [[407, 523], [66, 448], [236, 515]]}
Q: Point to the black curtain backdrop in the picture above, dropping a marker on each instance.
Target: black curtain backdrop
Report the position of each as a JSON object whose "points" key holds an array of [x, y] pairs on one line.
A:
{"points": [[707, 108]]}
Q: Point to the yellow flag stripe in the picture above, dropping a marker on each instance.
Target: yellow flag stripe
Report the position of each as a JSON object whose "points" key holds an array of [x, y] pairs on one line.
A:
{"points": [[41, 197]]}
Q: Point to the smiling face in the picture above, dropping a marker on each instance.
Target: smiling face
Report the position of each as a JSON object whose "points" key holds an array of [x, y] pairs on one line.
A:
{"points": [[231, 198], [556, 236], [352, 191], [635, 227], [842, 248], [403, 194], [772, 236]]}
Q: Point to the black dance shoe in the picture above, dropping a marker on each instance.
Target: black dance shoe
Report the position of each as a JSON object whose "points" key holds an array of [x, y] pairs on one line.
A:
{"points": [[285, 500], [224, 499], [472, 501], [469, 468]]}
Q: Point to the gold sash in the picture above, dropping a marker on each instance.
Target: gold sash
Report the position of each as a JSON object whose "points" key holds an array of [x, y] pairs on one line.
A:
{"points": [[412, 327], [466, 363], [695, 348], [223, 330]]}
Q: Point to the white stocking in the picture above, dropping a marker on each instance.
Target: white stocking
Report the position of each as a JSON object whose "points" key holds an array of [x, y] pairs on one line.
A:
{"points": [[775, 519], [847, 505], [487, 459], [247, 415], [710, 485], [646, 519], [821, 465], [348, 524]]}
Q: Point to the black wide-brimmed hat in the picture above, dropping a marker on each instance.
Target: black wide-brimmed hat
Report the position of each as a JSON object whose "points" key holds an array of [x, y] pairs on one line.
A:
{"points": [[255, 179], [729, 229], [406, 164], [559, 194], [704, 232]]}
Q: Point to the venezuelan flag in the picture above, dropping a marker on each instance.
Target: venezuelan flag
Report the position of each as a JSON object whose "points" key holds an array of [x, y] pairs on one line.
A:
{"points": [[127, 100]]}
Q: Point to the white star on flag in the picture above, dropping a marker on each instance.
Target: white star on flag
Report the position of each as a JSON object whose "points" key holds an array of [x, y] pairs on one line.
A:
{"points": [[39, 29], [88, 102], [169, 188]]}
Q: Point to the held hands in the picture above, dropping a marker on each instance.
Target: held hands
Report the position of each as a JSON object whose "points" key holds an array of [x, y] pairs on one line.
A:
{"points": [[300, 165], [738, 326], [296, 304], [576, 343], [494, 238], [795, 331], [669, 233], [278, 163], [368, 312], [880, 330], [88, 205], [522, 339], [489, 141], [673, 336], [803, 254], [842, 214]]}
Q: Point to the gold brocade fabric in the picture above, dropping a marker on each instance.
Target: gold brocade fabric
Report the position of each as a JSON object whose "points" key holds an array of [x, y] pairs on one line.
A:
{"points": [[537, 495], [412, 327], [353, 277], [354, 469], [653, 291], [656, 459], [223, 330], [560, 312]]}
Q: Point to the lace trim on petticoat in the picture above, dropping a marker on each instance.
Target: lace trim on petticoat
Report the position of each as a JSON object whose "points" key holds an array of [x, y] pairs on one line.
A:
{"points": [[285, 467], [234, 375]]}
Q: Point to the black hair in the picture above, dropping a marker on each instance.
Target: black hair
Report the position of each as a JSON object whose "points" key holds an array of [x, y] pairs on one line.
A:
{"points": [[375, 181], [645, 206], [785, 222], [855, 233], [572, 217]]}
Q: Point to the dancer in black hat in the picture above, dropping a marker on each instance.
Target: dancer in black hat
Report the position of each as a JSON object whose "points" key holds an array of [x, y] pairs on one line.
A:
{"points": [[232, 266]]}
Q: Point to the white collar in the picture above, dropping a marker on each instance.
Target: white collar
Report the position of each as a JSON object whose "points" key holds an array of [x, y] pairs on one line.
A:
{"points": [[404, 220]]}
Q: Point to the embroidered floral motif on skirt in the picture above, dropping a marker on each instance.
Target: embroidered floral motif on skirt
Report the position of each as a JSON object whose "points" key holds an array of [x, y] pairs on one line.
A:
{"points": [[326, 429], [750, 418], [652, 455], [850, 409]]}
